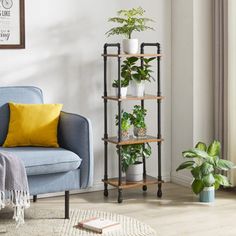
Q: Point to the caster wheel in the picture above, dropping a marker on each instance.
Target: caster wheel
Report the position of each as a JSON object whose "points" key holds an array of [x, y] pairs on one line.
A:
{"points": [[144, 188], [159, 193], [120, 200], [105, 193]]}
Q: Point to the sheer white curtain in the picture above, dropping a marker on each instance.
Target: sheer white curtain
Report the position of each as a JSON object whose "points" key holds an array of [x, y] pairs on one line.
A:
{"points": [[225, 78], [232, 85], [220, 71]]}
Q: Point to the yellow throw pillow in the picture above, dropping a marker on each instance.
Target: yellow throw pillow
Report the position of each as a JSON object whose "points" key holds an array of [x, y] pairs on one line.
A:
{"points": [[33, 125]]}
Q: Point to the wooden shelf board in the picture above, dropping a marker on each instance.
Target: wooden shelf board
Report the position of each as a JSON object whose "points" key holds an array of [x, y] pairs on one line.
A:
{"points": [[125, 185], [133, 140], [131, 55], [145, 97]]}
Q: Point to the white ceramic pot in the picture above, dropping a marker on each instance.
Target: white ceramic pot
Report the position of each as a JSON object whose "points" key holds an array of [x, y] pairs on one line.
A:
{"points": [[137, 89], [123, 92], [130, 46], [135, 172]]}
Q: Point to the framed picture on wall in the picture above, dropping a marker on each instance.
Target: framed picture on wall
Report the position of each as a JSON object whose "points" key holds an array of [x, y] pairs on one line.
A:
{"points": [[12, 24]]}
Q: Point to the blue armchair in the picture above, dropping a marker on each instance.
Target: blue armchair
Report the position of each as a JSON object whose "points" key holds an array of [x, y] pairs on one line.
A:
{"points": [[49, 170]]}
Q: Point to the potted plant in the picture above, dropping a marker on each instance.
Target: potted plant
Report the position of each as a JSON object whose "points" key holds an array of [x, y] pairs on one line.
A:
{"points": [[128, 68], [206, 167], [130, 160], [143, 73], [125, 124], [124, 85], [130, 21], [138, 121]]}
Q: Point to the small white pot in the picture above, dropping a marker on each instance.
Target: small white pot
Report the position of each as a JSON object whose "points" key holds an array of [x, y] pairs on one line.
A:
{"points": [[123, 92], [135, 172], [137, 89], [130, 46]]}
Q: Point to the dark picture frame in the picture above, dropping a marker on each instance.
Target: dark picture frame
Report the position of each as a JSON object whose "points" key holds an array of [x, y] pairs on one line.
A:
{"points": [[21, 24]]}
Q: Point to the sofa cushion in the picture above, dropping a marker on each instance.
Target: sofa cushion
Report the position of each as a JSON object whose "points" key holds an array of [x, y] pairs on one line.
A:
{"points": [[21, 94], [39, 160], [33, 125]]}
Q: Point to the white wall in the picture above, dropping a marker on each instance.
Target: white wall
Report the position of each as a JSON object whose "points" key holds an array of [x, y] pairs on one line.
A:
{"points": [[192, 82], [182, 82], [203, 80], [64, 41]]}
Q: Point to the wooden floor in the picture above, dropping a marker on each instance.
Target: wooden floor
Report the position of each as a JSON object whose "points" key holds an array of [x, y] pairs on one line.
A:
{"points": [[178, 212]]}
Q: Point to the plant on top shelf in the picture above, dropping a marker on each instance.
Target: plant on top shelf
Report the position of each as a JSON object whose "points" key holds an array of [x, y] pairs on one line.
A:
{"points": [[129, 21], [125, 124], [142, 74], [206, 167], [138, 121], [131, 164]]}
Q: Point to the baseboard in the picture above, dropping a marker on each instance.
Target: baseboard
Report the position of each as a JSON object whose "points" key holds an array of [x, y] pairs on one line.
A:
{"points": [[98, 186], [181, 179]]}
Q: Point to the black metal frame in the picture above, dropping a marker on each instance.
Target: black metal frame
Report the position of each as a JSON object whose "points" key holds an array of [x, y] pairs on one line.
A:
{"points": [[159, 191], [67, 203], [158, 46]]}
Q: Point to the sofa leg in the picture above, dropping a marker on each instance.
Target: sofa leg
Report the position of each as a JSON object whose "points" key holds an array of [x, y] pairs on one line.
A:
{"points": [[34, 198], [67, 202]]}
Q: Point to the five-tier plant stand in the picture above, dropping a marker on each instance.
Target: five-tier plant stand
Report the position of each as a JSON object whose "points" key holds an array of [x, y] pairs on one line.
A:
{"points": [[120, 183]]}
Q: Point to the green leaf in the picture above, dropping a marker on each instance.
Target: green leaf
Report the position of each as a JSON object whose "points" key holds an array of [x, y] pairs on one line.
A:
{"points": [[197, 186], [202, 154], [214, 149], [201, 146], [186, 165], [224, 165], [222, 180], [206, 168], [189, 154], [208, 180], [196, 172], [216, 185], [132, 59]]}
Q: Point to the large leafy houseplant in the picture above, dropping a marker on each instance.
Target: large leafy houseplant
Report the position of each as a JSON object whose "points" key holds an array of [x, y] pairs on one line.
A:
{"points": [[206, 166], [129, 21]]}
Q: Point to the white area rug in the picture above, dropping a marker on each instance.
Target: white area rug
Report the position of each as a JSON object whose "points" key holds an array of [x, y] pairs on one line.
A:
{"points": [[51, 223]]}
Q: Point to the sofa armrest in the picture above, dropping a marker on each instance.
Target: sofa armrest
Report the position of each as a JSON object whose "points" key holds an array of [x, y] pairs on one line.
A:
{"points": [[75, 134]]}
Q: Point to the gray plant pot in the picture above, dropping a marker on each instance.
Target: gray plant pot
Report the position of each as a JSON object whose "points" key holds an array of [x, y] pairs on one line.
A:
{"points": [[135, 172], [140, 132], [207, 194], [124, 135]]}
